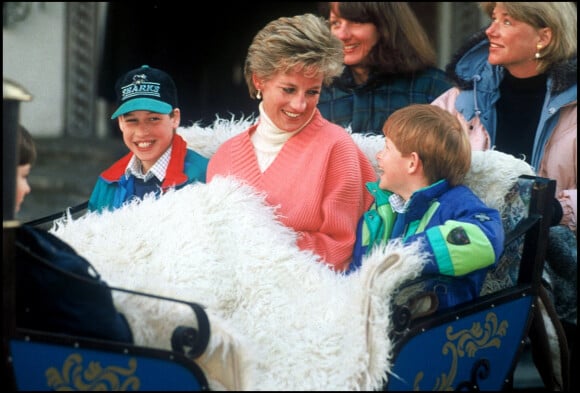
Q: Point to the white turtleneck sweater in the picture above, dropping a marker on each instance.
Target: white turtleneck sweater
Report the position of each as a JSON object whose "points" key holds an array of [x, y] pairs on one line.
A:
{"points": [[269, 139]]}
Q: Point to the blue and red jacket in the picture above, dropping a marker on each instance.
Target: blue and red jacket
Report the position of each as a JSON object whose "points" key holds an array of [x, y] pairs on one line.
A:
{"points": [[113, 187]]}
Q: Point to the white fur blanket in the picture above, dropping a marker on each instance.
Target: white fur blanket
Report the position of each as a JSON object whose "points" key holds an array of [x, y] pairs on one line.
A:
{"points": [[280, 319], [295, 324]]}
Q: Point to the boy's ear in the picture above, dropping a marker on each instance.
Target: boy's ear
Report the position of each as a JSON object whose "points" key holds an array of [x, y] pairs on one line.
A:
{"points": [[176, 117], [415, 164]]}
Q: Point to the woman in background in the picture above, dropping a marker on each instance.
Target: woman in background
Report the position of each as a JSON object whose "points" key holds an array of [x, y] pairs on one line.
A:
{"points": [[389, 64]]}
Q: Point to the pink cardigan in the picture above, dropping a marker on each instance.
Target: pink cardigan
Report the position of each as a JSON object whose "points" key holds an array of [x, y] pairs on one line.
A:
{"points": [[317, 181]]}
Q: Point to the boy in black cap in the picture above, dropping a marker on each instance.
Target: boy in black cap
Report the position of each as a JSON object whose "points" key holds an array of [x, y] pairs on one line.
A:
{"points": [[148, 117]]}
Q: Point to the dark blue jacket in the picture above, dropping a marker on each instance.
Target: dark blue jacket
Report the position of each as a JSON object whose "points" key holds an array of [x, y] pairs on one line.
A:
{"points": [[462, 236], [58, 291]]}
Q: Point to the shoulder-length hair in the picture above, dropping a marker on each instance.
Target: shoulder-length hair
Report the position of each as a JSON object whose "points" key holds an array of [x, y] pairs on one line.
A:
{"points": [[403, 45], [26, 147]]}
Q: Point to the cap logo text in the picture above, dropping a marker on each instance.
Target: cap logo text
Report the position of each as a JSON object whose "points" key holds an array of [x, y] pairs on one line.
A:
{"points": [[140, 87]]}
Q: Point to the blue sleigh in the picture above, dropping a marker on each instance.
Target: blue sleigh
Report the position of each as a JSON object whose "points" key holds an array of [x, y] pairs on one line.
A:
{"points": [[474, 346]]}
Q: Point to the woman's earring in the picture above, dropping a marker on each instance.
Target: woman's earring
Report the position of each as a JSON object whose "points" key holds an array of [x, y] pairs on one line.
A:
{"points": [[259, 93], [538, 48]]}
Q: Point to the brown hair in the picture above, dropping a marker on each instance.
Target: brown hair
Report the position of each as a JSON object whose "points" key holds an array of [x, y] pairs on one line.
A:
{"points": [[436, 136], [403, 45], [26, 147]]}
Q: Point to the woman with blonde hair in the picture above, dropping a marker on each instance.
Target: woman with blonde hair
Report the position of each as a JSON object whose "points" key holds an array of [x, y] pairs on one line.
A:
{"points": [[516, 90], [311, 169]]}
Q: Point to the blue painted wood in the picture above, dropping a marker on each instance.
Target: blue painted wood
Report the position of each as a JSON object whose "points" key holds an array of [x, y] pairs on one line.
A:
{"points": [[49, 366], [476, 351]]}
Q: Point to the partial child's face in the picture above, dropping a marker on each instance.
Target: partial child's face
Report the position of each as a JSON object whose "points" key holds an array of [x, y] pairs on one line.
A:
{"points": [[290, 98], [357, 38], [148, 134], [393, 168], [512, 43], [22, 186]]}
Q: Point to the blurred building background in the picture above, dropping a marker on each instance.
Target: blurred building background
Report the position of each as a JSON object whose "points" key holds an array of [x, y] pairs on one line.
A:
{"points": [[69, 54]]}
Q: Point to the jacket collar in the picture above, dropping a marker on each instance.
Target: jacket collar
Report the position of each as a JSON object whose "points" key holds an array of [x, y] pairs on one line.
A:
{"points": [[420, 200], [173, 176]]}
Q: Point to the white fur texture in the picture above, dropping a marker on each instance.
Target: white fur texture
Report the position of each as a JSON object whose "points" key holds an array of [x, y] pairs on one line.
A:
{"points": [[291, 323], [280, 319], [492, 174], [206, 140]]}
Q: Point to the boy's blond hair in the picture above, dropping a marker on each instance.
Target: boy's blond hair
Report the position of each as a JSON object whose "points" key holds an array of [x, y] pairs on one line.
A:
{"points": [[436, 136]]}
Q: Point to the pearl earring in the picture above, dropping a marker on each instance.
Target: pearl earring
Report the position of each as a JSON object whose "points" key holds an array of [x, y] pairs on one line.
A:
{"points": [[259, 95], [538, 48]]}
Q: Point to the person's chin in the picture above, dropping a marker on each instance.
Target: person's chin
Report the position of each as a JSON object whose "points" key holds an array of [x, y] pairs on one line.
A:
{"points": [[493, 60], [351, 61]]}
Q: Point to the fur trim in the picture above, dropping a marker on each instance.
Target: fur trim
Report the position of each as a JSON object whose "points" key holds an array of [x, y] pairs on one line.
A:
{"points": [[473, 40], [206, 140], [492, 174]]}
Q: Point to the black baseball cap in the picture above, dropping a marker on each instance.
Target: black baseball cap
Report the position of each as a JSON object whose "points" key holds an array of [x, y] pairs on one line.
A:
{"points": [[145, 89]]}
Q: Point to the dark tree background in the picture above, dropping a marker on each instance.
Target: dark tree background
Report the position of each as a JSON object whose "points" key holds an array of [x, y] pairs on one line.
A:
{"points": [[203, 50]]}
